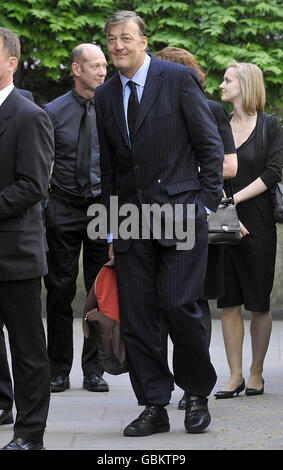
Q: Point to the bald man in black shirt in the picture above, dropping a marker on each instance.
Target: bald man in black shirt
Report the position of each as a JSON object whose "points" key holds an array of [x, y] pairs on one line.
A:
{"points": [[75, 184]]}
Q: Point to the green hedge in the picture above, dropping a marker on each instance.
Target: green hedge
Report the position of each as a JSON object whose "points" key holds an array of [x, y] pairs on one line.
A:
{"points": [[215, 31]]}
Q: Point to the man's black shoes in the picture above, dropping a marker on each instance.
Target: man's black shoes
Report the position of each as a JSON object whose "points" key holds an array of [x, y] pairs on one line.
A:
{"points": [[60, 383], [95, 383], [92, 382], [19, 443], [153, 419], [6, 417], [197, 416]]}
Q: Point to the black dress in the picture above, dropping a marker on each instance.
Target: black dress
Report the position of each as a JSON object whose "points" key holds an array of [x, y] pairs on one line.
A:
{"points": [[249, 267], [214, 282]]}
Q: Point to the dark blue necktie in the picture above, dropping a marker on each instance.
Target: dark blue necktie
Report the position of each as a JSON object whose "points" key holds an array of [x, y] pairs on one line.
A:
{"points": [[133, 106]]}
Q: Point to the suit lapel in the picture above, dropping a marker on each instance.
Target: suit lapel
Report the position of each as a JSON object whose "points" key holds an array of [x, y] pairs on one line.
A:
{"points": [[152, 86], [2, 125], [118, 107], [7, 110]]}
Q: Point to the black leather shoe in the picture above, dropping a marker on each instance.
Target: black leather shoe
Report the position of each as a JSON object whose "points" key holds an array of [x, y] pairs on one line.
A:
{"points": [[231, 393], [152, 420], [255, 391], [18, 443], [95, 383], [183, 402], [197, 416], [6, 417], [60, 383]]}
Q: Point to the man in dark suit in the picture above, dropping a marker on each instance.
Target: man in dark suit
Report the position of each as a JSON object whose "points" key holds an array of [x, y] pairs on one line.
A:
{"points": [[26, 153], [6, 386], [73, 188], [153, 136]]}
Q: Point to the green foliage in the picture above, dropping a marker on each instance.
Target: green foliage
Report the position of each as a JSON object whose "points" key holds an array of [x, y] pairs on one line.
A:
{"points": [[220, 32], [217, 32]]}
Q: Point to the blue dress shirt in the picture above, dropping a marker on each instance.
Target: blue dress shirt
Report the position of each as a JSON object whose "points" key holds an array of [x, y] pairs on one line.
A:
{"points": [[139, 78]]}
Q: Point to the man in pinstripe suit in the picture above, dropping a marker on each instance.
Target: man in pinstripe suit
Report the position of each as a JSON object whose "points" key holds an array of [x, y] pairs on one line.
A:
{"points": [[155, 161]]}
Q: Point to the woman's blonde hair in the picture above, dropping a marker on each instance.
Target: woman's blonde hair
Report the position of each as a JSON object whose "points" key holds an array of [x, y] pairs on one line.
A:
{"points": [[252, 86], [181, 56]]}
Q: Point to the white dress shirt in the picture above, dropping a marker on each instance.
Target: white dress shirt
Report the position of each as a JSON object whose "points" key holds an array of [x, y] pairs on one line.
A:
{"points": [[4, 93]]}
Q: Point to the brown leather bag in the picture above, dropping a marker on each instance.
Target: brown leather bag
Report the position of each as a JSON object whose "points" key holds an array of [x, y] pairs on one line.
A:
{"points": [[101, 319]]}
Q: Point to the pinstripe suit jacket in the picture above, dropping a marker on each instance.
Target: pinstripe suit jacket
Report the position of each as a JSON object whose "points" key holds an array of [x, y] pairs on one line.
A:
{"points": [[175, 133]]}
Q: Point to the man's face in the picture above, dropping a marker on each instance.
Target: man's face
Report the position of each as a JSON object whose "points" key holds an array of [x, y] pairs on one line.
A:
{"points": [[93, 69], [126, 47], [7, 66]]}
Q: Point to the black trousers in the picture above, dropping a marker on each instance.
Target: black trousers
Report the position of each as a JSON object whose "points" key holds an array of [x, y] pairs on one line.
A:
{"points": [[153, 281], [66, 230], [6, 387], [20, 311], [165, 326]]}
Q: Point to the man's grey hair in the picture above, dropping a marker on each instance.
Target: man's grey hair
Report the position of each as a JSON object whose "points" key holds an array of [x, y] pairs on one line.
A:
{"points": [[11, 43], [124, 16]]}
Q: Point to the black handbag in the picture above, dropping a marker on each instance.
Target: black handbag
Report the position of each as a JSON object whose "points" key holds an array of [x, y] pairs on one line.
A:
{"points": [[276, 193], [224, 225]]}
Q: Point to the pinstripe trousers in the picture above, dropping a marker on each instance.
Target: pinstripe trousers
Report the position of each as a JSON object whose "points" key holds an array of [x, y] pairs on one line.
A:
{"points": [[155, 280]]}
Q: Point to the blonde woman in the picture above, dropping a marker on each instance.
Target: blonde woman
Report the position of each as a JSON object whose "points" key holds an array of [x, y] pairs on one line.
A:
{"points": [[249, 266]]}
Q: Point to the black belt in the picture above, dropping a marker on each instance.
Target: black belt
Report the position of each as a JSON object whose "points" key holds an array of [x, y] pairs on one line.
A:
{"points": [[79, 200]]}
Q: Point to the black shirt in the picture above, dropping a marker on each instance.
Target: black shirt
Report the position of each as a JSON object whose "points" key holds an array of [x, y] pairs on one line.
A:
{"points": [[65, 113]]}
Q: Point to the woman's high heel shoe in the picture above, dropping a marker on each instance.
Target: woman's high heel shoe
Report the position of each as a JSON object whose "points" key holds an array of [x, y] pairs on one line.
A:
{"points": [[230, 393], [255, 391]]}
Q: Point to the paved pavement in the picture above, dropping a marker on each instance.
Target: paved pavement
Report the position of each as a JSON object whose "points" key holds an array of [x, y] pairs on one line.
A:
{"points": [[82, 420]]}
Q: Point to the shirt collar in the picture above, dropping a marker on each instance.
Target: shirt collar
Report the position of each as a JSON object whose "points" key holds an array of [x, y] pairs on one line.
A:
{"points": [[5, 92], [80, 98], [140, 76]]}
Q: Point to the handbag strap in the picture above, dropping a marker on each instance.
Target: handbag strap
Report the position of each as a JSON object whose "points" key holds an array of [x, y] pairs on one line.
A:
{"points": [[264, 132], [229, 181], [265, 129], [261, 143]]}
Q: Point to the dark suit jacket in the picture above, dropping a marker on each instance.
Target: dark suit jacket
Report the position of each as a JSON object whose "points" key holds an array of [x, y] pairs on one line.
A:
{"points": [[175, 132], [26, 93], [26, 153]]}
